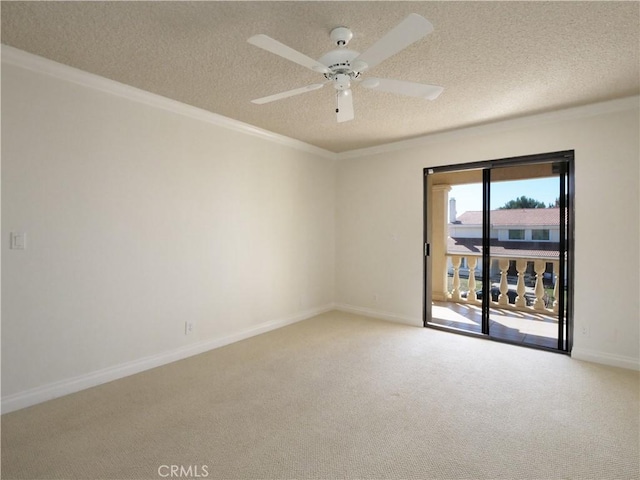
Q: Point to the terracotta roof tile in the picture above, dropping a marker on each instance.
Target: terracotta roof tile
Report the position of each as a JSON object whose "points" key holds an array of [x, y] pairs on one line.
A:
{"points": [[516, 217], [473, 246]]}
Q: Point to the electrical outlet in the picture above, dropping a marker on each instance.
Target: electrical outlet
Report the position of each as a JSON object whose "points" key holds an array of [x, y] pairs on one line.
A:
{"points": [[375, 298], [188, 328], [585, 330]]}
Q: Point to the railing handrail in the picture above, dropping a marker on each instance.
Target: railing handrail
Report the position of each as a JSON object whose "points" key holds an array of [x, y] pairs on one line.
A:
{"points": [[515, 257]]}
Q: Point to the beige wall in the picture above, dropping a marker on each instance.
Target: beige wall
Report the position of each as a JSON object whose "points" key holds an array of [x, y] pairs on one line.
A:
{"points": [[379, 221], [139, 219]]}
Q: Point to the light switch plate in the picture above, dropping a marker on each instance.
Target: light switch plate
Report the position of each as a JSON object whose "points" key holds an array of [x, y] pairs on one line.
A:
{"points": [[18, 241]]}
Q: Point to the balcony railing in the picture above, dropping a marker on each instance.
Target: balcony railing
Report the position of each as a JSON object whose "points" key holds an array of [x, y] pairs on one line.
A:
{"points": [[524, 298]]}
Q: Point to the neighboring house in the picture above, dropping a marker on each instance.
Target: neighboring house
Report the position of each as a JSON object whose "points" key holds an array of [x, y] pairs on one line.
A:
{"points": [[531, 233]]}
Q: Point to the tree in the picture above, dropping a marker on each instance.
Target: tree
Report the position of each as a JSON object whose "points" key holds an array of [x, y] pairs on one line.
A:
{"points": [[556, 204], [523, 202]]}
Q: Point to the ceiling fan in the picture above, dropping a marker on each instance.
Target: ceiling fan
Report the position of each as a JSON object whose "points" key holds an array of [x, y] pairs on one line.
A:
{"points": [[342, 66]]}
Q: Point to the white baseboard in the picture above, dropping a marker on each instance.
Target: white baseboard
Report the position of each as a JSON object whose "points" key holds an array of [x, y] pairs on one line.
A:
{"points": [[577, 353], [50, 391], [392, 317], [605, 358]]}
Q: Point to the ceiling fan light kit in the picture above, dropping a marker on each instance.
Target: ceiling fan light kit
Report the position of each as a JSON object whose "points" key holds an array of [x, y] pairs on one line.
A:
{"points": [[343, 66]]}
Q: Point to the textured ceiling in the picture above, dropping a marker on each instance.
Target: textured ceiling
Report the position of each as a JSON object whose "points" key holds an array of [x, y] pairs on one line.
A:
{"points": [[496, 60]]}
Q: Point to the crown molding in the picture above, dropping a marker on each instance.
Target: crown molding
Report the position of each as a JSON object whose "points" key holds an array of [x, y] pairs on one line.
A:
{"points": [[584, 111], [29, 61], [20, 58]]}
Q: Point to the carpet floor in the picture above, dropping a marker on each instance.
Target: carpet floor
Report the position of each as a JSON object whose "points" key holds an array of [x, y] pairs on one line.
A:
{"points": [[341, 396]]}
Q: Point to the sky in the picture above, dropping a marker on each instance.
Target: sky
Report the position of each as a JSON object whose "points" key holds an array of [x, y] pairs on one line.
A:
{"points": [[469, 197]]}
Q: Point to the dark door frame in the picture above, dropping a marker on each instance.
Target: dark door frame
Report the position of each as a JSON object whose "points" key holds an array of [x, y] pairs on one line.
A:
{"points": [[564, 163]]}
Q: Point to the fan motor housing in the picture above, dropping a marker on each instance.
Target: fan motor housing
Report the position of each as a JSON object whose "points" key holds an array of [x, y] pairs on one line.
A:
{"points": [[339, 62], [339, 59]]}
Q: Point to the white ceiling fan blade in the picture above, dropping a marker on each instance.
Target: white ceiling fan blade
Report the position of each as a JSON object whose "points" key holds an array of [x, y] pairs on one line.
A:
{"points": [[401, 87], [410, 30], [289, 93], [344, 110], [274, 46]]}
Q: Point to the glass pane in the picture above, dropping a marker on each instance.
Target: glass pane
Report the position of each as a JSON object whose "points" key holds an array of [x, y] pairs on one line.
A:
{"points": [[457, 251], [524, 252]]}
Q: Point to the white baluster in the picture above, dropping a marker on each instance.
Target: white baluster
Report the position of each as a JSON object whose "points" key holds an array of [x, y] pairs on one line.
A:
{"points": [[556, 270], [503, 264], [539, 266], [455, 261], [472, 261], [521, 267]]}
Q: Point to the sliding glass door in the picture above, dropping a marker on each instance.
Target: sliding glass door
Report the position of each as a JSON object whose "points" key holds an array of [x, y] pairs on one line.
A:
{"points": [[497, 249]]}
